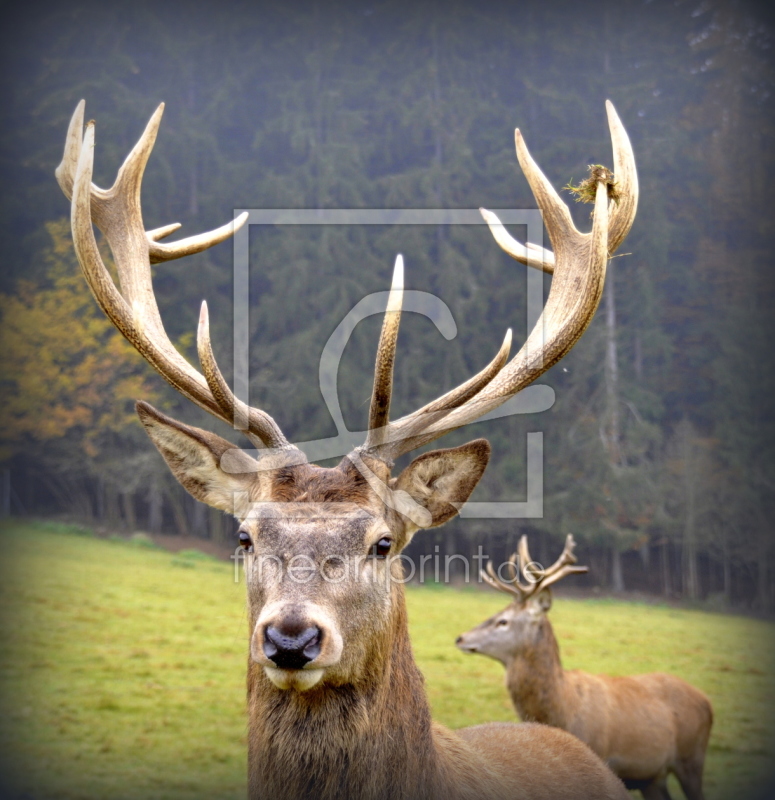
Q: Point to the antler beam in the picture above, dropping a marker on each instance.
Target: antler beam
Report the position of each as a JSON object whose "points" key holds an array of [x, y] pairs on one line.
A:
{"points": [[132, 305], [578, 265]]}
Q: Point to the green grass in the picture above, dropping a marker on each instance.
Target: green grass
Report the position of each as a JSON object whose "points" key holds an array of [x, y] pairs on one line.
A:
{"points": [[123, 669]]}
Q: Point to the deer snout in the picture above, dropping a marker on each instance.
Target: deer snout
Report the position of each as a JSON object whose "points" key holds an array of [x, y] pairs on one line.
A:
{"points": [[296, 644], [291, 648]]}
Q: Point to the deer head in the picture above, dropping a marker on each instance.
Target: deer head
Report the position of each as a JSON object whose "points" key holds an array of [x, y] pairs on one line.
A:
{"points": [[322, 543], [518, 628]]}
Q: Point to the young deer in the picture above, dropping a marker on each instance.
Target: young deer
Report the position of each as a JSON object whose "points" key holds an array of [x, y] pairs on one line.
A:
{"points": [[643, 726], [335, 701]]}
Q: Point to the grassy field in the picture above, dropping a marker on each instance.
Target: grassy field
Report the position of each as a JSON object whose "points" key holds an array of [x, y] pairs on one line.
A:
{"points": [[123, 669]]}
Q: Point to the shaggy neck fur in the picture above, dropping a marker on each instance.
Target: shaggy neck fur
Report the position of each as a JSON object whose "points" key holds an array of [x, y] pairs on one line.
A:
{"points": [[370, 740], [536, 681]]}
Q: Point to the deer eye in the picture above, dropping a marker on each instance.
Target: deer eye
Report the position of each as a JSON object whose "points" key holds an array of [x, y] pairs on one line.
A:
{"points": [[502, 623], [246, 543], [382, 547]]}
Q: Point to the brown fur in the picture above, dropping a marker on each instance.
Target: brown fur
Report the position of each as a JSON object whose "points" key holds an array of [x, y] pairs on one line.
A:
{"points": [[374, 738], [356, 722], [643, 726]]}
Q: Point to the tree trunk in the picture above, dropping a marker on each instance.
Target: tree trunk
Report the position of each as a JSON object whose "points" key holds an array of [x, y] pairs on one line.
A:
{"points": [[644, 551], [543, 549], [438, 123], [691, 579], [100, 499], [154, 509], [617, 577], [28, 507], [112, 513], [598, 566], [613, 434], [193, 176], [667, 584], [764, 595], [128, 509], [6, 503], [218, 524], [81, 502], [178, 510], [638, 357], [727, 567], [198, 519]]}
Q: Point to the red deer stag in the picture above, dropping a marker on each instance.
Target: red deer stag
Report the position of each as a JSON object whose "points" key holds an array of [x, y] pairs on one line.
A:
{"points": [[643, 726], [335, 701]]}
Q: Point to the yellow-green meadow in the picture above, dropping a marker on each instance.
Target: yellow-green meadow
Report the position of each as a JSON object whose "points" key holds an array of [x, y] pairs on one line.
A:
{"points": [[123, 669]]}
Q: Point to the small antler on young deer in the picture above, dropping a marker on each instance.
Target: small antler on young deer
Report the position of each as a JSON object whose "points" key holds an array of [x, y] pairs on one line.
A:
{"points": [[578, 265], [536, 577], [643, 726]]}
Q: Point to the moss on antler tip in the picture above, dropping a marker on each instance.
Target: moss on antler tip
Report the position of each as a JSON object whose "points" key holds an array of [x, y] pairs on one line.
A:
{"points": [[586, 190]]}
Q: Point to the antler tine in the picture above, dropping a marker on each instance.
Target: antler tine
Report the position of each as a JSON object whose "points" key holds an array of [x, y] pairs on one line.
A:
{"points": [[513, 564], [546, 582], [379, 411], [269, 433], [537, 579], [129, 320], [575, 293], [132, 308], [512, 588], [193, 244], [623, 212], [529, 570], [490, 582], [524, 553], [467, 390], [383, 435], [164, 231], [565, 565], [558, 220], [401, 432], [65, 172], [566, 557], [532, 255], [578, 265]]}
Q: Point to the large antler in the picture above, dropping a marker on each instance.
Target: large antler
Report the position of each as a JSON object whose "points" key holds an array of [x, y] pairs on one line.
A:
{"points": [[132, 305], [578, 265], [536, 578]]}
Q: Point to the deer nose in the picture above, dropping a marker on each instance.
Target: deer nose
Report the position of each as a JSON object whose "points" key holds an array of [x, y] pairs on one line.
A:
{"points": [[290, 648], [459, 639]]}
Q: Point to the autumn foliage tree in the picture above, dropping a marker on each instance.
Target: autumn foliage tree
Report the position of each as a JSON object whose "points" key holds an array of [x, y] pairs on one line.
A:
{"points": [[69, 378]]}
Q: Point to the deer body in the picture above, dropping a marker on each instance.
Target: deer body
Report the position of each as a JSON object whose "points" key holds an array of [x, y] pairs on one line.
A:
{"points": [[375, 740], [335, 701], [642, 726]]}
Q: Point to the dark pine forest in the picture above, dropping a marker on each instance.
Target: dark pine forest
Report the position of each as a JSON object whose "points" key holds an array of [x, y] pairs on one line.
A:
{"points": [[658, 450]]}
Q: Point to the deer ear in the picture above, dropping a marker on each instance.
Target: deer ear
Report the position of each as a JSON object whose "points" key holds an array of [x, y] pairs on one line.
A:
{"points": [[194, 457], [442, 480], [542, 602]]}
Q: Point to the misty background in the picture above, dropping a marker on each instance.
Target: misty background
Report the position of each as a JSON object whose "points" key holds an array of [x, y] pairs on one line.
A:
{"points": [[658, 452]]}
